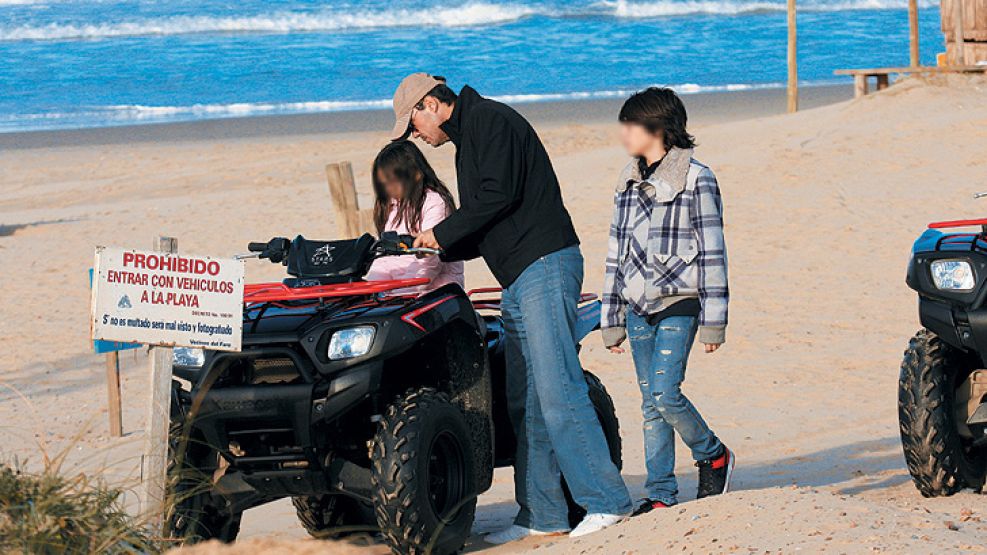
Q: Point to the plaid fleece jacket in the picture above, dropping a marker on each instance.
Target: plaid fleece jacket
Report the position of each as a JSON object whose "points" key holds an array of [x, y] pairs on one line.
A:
{"points": [[666, 244]]}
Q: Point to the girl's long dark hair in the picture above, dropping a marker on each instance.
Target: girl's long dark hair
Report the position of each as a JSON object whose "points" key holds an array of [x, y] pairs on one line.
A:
{"points": [[403, 160]]}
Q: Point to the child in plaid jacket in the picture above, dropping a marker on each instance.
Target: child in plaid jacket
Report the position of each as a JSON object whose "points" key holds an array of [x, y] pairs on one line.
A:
{"points": [[666, 282]]}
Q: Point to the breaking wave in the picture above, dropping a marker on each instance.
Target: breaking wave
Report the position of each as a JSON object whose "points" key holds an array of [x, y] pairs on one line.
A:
{"points": [[470, 14], [466, 15]]}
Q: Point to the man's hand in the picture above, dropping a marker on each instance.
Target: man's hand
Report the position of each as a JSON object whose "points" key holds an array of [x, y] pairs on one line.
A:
{"points": [[711, 347], [427, 240], [616, 350]]}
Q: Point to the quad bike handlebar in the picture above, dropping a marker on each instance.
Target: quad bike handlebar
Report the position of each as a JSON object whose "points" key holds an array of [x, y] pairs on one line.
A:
{"points": [[346, 258], [389, 244]]}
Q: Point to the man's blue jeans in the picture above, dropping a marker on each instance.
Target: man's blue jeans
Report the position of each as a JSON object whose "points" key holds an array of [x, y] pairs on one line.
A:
{"points": [[557, 428], [660, 353]]}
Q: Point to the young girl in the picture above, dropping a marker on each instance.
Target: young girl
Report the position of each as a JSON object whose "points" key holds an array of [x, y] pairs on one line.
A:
{"points": [[410, 199], [666, 280]]}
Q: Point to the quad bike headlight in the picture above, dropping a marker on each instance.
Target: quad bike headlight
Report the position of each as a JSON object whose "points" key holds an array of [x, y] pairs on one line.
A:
{"points": [[188, 356], [952, 275], [351, 342]]}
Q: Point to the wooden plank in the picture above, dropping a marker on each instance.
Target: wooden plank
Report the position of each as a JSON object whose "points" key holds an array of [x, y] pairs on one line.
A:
{"points": [[972, 29], [913, 52], [113, 393], [945, 19], [920, 69], [793, 72], [974, 52], [342, 189], [367, 221], [859, 85], [958, 57], [882, 82], [154, 473]]}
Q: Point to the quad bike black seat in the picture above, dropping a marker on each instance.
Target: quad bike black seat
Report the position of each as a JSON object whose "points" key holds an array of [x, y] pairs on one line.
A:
{"points": [[327, 262]]}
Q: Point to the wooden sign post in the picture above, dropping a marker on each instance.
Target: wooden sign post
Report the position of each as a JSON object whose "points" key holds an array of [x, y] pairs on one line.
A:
{"points": [[162, 299], [113, 390], [155, 462]]}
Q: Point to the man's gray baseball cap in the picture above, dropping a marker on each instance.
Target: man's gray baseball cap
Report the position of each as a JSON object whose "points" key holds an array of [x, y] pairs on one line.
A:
{"points": [[409, 93]]}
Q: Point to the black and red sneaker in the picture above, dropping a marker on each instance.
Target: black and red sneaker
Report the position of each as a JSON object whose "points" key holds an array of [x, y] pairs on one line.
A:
{"points": [[715, 473], [648, 505]]}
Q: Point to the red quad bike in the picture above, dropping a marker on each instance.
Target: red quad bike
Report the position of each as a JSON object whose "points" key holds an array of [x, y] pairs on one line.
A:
{"points": [[943, 384], [376, 412]]}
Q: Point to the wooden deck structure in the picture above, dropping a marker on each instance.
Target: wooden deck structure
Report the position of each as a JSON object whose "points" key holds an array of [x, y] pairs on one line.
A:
{"points": [[966, 51], [968, 47], [882, 75]]}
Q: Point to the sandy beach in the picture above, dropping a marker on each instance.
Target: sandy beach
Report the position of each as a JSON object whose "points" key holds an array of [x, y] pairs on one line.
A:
{"points": [[821, 209]]}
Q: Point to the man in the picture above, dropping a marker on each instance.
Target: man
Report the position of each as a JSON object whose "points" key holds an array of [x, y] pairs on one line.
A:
{"points": [[512, 215]]}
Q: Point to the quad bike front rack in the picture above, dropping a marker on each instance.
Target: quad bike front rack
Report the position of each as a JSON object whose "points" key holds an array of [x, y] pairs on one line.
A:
{"points": [[494, 303], [275, 292]]}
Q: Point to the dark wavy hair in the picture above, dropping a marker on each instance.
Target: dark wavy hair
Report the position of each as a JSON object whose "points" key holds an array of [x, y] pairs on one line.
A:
{"points": [[659, 109], [402, 160]]}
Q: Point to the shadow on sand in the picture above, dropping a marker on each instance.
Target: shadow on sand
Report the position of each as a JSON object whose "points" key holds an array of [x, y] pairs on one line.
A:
{"points": [[867, 464], [6, 230]]}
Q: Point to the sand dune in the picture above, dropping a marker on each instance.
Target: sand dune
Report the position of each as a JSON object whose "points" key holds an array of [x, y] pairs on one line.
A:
{"points": [[821, 209]]}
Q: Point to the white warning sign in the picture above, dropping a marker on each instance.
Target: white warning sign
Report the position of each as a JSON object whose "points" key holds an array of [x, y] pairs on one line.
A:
{"points": [[167, 299]]}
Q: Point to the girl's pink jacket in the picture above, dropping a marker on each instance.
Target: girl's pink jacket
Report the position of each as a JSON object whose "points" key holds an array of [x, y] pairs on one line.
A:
{"points": [[407, 267]]}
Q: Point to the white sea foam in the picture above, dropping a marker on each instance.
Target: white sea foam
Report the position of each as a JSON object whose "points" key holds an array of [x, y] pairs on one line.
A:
{"points": [[139, 112], [469, 14]]}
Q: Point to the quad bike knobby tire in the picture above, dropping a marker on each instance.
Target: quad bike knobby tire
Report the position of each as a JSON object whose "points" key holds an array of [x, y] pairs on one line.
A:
{"points": [[939, 459], [334, 516], [191, 515], [607, 414], [422, 470]]}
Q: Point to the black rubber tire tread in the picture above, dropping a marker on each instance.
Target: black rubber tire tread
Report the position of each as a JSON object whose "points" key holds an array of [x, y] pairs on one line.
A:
{"points": [[190, 518], [320, 515], [604, 406], [404, 516], [933, 448]]}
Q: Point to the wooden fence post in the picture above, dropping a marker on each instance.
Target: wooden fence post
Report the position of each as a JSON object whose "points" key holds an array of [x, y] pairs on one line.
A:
{"points": [[155, 461], [793, 72], [113, 390], [913, 32], [350, 220]]}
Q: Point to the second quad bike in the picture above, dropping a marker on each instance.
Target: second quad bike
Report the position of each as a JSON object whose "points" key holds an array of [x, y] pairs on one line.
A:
{"points": [[943, 383], [375, 411]]}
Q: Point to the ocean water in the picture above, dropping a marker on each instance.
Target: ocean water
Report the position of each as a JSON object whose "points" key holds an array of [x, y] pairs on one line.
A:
{"points": [[90, 63]]}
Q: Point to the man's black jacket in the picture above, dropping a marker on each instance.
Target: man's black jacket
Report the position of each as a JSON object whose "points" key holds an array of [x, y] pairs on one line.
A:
{"points": [[511, 209]]}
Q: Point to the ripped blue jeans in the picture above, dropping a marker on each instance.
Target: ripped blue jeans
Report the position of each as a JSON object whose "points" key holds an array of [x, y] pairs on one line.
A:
{"points": [[660, 354]]}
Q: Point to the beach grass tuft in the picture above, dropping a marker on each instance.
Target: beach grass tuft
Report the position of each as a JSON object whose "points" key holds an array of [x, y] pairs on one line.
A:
{"points": [[48, 512]]}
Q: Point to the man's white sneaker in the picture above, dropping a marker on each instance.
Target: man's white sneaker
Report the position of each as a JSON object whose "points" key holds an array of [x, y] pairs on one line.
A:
{"points": [[596, 522], [514, 533]]}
